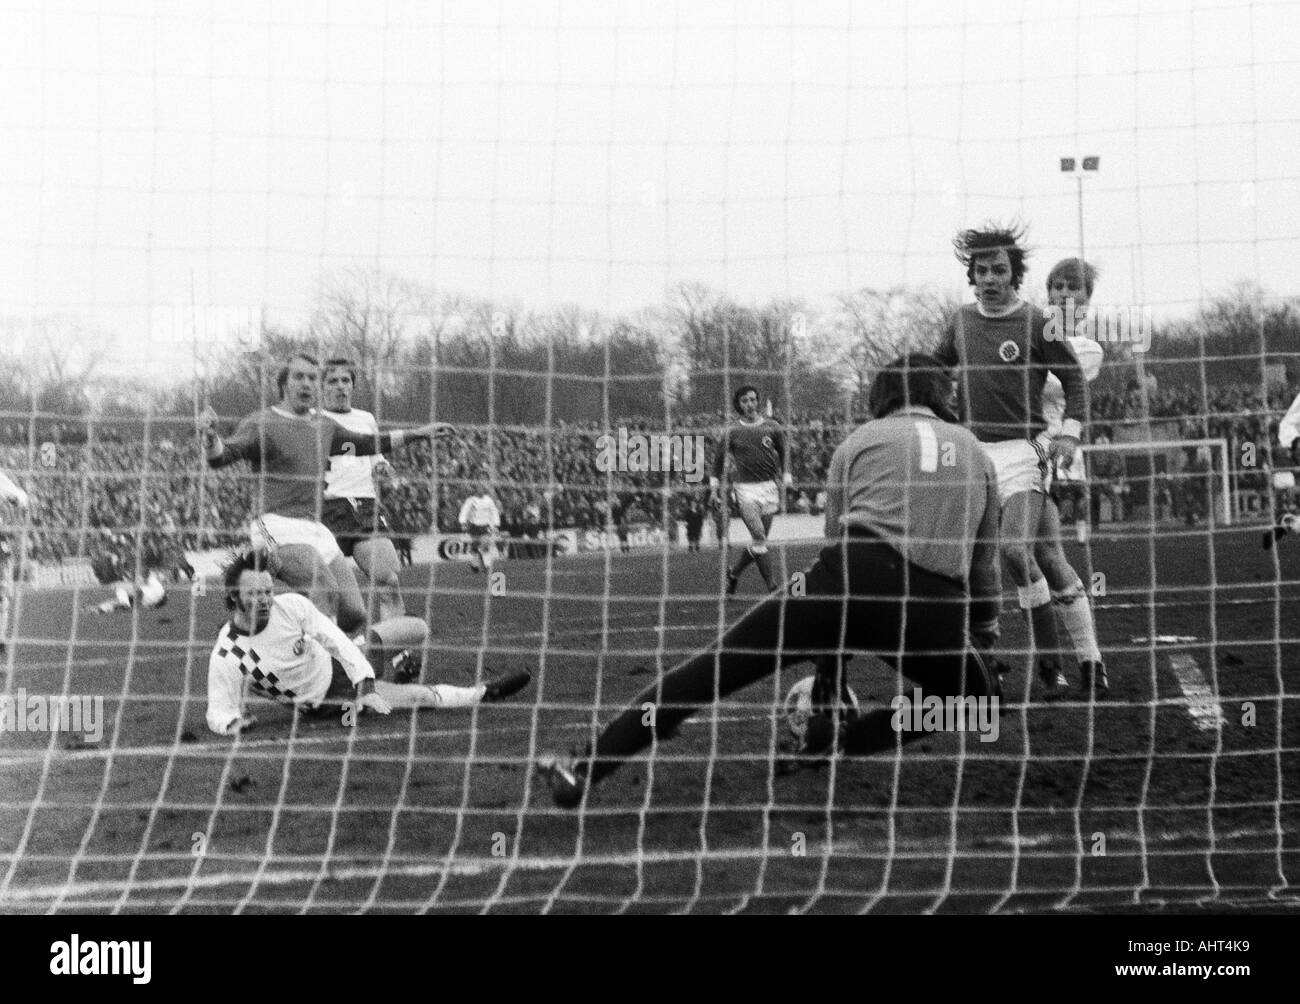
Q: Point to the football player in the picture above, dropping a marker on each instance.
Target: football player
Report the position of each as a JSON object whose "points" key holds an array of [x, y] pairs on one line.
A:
{"points": [[284, 649], [908, 572], [288, 445], [756, 446], [1000, 347]]}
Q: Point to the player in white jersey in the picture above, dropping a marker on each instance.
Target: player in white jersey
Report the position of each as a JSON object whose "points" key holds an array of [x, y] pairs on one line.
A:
{"points": [[11, 496], [284, 649], [1069, 292], [480, 518], [1288, 437], [351, 509]]}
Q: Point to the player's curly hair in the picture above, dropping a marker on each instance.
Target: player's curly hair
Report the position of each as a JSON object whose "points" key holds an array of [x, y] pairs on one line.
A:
{"points": [[971, 244], [916, 380], [247, 560], [741, 391], [1081, 270]]}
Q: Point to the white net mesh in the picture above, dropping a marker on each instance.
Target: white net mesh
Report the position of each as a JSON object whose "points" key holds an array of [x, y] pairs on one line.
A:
{"points": [[737, 195]]}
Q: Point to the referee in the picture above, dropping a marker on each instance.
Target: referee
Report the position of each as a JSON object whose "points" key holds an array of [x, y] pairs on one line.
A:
{"points": [[908, 573]]}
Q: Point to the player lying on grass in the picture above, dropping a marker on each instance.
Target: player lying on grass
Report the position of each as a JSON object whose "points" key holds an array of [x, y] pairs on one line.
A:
{"points": [[288, 445], [756, 446], [1000, 348], [1069, 293], [908, 569], [284, 649]]}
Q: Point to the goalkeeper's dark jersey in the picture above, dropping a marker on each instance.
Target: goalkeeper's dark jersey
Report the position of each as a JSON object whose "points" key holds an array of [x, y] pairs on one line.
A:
{"points": [[1002, 365], [757, 452]]}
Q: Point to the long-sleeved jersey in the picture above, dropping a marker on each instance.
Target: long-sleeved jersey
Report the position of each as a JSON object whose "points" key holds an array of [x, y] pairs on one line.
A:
{"points": [[925, 486], [351, 475], [291, 453], [757, 452], [288, 661], [1288, 429], [1003, 363]]}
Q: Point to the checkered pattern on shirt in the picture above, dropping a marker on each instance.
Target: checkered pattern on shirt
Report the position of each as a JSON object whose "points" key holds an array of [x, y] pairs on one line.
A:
{"points": [[248, 662]]}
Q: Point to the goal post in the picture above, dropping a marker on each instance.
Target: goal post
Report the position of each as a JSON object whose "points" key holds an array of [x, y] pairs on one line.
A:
{"points": [[1169, 469]]}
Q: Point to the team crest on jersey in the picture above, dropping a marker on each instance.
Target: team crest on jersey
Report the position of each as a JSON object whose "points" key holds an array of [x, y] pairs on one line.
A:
{"points": [[1009, 351], [768, 444], [300, 645]]}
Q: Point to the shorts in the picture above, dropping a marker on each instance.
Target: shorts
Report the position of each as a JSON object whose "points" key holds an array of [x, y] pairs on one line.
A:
{"points": [[1283, 481], [352, 521], [271, 532], [1021, 465], [341, 691], [762, 494]]}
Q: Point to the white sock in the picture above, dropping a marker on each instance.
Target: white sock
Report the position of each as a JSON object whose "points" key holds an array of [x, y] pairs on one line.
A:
{"points": [[1074, 611], [437, 695]]}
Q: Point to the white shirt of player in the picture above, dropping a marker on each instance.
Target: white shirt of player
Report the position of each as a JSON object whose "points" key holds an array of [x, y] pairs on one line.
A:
{"points": [[1090, 358], [287, 661], [480, 510], [1288, 430], [10, 492], [350, 476]]}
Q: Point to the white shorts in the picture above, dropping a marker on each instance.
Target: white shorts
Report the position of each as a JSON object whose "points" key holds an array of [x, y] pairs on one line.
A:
{"points": [[760, 494], [272, 531], [1021, 465], [1283, 481]]}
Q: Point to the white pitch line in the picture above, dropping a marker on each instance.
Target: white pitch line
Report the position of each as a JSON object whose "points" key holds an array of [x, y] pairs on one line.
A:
{"points": [[479, 866], [1202, 704], [225, 746]]}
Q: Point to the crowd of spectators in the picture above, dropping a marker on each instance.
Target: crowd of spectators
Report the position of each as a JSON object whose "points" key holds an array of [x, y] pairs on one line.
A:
{"points": [[102, 495]]}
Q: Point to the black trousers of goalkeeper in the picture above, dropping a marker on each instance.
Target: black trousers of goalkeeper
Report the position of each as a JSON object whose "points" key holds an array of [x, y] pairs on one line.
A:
{"points": [[859, 596]]}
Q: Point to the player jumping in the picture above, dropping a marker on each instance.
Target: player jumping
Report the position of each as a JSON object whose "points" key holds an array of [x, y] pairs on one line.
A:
{"points": [[284, 649], [756, 446], [1000, 346], [908, 572]]}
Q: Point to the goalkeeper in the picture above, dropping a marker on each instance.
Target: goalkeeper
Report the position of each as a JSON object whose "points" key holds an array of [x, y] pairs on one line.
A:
{"points": [[284, 649], [909, 568]]}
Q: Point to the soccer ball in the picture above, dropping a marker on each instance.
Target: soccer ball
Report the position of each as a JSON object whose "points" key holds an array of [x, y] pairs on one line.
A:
{"points": [[799, 707]]}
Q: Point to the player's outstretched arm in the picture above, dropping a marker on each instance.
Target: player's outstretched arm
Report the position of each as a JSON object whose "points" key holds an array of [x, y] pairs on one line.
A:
{"points": [[225, 715]]}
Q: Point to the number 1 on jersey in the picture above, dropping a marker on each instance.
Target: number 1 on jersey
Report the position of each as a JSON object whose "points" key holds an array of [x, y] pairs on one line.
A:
{"points": [[929, 447]]}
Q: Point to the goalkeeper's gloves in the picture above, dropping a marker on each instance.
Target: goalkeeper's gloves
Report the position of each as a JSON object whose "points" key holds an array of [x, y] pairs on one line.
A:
{"points": [[1290, 524]]}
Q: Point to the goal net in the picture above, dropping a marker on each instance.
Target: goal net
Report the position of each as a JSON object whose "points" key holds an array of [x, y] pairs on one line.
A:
{"points": [[574, 233]]}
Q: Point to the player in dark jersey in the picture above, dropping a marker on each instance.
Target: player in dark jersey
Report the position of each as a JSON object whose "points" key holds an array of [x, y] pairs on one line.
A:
{"points": [[289, 446], [908, 573], [756, 446], [999, 346]]}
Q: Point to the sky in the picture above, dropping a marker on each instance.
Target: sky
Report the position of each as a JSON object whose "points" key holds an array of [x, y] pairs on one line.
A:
{"points": [[229, 155]]}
